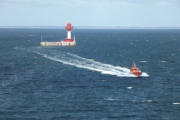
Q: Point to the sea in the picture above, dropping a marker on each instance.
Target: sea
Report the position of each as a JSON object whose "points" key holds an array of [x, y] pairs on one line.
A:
{"points": [[90, 81]]}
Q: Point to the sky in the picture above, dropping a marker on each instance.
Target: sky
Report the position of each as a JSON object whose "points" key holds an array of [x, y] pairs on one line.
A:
{"points": [[125, 13]]}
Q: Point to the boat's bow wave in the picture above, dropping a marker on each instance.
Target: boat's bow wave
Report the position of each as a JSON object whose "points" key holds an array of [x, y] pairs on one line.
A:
{"points": [[80, 62]]}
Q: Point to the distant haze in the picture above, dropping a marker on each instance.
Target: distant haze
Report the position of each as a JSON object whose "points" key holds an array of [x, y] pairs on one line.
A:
{"points": [[128, 13]]}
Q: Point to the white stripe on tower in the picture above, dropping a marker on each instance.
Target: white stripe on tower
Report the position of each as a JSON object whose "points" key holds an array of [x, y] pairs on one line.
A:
{"points": [[69, 34]]}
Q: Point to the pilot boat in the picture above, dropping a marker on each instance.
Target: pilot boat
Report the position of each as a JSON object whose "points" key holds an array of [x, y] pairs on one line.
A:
{"points": [[134, 70]]}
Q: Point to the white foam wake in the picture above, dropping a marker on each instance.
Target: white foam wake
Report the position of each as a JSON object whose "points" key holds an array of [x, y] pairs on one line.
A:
{"points": [[90, 64]]}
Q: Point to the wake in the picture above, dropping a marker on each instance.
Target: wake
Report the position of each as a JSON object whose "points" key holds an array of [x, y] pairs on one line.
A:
{"points": [[80, 62]]}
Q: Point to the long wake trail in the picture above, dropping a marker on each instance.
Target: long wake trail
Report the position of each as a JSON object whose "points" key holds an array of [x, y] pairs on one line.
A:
{"points": [[80, 62]]}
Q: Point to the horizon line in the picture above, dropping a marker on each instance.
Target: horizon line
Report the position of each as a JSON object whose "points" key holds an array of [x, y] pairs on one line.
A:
{"points": [[90, 27]]}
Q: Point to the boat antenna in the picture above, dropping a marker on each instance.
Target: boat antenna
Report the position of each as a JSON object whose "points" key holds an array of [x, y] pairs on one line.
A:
{"points": [[134, 64]]}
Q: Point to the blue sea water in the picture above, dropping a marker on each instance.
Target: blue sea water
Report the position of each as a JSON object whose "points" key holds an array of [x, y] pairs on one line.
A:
{"points": [[90, 81]]}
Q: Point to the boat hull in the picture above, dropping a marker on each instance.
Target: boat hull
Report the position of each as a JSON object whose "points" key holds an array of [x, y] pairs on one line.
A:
{"points": [[137, 74]]}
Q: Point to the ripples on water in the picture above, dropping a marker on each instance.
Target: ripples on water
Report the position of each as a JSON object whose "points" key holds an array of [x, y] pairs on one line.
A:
{"points": [[89, 81]]}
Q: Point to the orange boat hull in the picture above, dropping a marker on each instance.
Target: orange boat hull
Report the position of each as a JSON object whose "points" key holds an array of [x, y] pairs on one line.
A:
{"points": [[138, 74]]}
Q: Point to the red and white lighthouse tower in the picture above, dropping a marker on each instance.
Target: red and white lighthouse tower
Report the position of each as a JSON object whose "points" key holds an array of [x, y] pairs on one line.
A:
{"points": [[69, 29]]}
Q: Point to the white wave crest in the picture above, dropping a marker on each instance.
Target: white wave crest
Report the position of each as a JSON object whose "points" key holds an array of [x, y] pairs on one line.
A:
{"points": [[111, 99], [147, 101], [90, 64], [129, 87], [143, 61], [176, 103]]}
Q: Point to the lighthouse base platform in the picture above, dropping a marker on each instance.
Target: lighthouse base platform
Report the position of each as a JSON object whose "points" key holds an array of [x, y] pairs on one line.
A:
{"points": [[60, 43]]}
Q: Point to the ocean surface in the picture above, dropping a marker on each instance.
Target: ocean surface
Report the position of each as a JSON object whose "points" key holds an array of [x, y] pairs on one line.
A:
{"points": [[90, 81]]}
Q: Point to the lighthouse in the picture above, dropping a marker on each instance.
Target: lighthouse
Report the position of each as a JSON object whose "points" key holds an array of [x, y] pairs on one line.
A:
{"points": [[69, 41], [69, 29]]}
